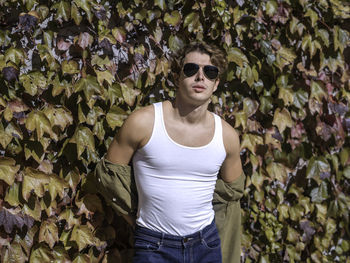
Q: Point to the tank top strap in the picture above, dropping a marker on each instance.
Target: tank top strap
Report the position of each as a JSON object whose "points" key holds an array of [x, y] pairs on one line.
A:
{"points": [[218, 137]]}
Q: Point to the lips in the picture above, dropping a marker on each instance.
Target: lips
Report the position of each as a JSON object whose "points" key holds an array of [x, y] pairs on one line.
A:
{"points": [[198, 87]]}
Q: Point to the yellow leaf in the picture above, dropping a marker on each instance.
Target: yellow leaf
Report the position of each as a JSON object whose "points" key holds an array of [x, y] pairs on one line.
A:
{"points": [[8, 170], [282, 119]]}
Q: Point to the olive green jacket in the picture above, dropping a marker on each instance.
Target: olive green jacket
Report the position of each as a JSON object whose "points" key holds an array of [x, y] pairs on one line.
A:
{"points": [[117, 185]]}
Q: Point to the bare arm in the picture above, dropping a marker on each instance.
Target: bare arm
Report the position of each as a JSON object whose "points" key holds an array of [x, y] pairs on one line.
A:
{"points": [[231, 168], [134, 133]]}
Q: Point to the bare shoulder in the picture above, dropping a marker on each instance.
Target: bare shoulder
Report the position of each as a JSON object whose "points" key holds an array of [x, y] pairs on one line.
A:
{"points": [[230, 136]]}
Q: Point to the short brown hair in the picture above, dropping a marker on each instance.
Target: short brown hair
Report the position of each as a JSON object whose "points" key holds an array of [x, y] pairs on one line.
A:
{"points": [[217, 56]]}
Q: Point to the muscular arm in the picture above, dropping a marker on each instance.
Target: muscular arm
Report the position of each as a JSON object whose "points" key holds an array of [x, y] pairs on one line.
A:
{"points": [[231, 168], [134, 133]]}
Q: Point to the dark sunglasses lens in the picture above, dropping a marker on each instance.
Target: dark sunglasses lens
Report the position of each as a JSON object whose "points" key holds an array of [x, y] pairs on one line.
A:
{"points": [[190, 69], [211, 72]]}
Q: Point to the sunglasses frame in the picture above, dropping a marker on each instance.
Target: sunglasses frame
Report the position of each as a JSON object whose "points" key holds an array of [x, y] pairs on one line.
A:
{"points": [[205, 68]]}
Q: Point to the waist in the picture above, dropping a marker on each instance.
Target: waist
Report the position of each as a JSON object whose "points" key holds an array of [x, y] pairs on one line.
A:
{"points": [[175, 240]]}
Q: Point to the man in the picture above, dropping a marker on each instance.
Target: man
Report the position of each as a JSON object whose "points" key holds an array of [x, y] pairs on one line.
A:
{"points": [[177, 149]]}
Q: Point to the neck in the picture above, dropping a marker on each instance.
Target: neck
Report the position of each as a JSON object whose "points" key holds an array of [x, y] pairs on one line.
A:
{"points": [[190, 113]]}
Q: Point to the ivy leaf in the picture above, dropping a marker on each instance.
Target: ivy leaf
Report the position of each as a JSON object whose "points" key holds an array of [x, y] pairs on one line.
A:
{"points": [[192, 22], [70, 217], [37, 121], [105, 75], [9, 218], [89, 86], [14, 55], [33, 82], [317, 91], [320, 193], [119, 34], [285, 57], [84, 139], [271, 7], [48, 233], [56, 186], [12, 195], [317, 167], [173, 19], [160, 3], [175, 43], [41, 254], [115, 117], [63, 10], [35, 181], [282, 119], [300, 98], [60, 117], [83, 236], [236, 55], [251, 141], [8, 170], [85, 40], [13, 253], [292, 235], [277, 171], [70, 67], [82, 258]]}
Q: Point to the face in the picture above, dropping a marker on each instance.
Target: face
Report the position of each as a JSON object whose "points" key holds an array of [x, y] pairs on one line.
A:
{"points": [[197, 88]]}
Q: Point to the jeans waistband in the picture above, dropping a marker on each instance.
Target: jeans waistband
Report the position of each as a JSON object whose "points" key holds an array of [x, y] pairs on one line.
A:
{"points": [[172, 240]]}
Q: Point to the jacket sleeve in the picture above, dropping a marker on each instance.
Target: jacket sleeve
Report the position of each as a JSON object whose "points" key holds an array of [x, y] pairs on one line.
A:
{"points": [[117, 186], [227, 209]]}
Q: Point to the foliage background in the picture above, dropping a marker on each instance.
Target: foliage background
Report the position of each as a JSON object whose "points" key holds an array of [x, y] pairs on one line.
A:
{"points": [[71, 71]]}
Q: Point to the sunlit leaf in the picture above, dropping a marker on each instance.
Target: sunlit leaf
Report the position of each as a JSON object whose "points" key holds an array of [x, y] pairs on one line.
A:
{"points": [[84, 139], [37, 121], [48, 233], [8, 170], [237, 56], [115, 117], [83, 236], [34, 181], [282, 119]]}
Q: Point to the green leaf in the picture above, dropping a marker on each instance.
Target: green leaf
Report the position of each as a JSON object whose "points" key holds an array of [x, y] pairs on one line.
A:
{"points": [[282, 119], [313, 16], [241, 119], [173, 19], [251, 141], [84, 139], [277, 171], [70, 67], [33, 82], [35, 181], [237, 56], [14, 55], [83, 236], [320, 193], [115, 117], [75, 14], [63, 10], [41, 254], [119, 34], [175, 43], [324, 35], [292, 235], [70, 217], [57, 186], [271, 7], [13, 253], [89, 86], [82, 258], [85, 5], [192, 22], [317, 91], [317, 167], [60, 117], [37, 121], [8, 170], [300, 98], [48, 233], [12, 195], [160, 3], [285, 57]]}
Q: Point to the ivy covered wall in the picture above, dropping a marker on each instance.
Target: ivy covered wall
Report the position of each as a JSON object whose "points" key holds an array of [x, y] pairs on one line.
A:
{"points": [[72, 71]]}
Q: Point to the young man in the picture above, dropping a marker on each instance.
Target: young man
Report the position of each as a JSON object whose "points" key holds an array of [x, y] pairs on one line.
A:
{"points": [[177, 149]]}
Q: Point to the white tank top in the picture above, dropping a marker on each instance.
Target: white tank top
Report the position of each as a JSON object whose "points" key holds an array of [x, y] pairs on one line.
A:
{"points": [[175, 183]]}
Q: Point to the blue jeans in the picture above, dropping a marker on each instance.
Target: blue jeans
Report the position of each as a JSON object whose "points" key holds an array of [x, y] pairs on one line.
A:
{"points": [[200, 247]]}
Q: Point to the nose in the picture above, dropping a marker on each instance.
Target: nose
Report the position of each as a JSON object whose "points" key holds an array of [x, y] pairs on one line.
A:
{"points": [[200, 74]]}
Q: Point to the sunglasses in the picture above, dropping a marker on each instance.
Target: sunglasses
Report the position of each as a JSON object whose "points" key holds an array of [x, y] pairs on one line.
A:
{"points": [[211, 72]]}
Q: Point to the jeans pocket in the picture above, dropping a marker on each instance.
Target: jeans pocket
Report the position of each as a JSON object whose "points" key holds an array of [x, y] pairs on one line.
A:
{"points": [[212, 243], [147, 245]]}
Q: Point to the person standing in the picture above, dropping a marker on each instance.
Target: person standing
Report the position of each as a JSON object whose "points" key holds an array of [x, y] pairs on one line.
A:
{"points": [[177, 149]]}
